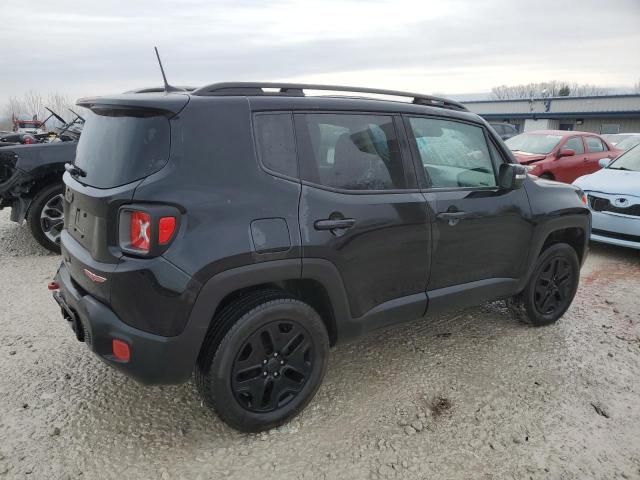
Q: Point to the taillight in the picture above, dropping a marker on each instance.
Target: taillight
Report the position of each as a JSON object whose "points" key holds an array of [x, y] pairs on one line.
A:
{"points": [[140, 231], [166, 226], [147, 230]]}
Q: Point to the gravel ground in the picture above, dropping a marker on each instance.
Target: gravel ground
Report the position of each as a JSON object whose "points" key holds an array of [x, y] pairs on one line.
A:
{"points": [[474, 394]]}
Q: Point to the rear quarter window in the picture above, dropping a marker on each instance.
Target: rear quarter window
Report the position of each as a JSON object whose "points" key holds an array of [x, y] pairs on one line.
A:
{"points": [[276, 143], [595, 144]]}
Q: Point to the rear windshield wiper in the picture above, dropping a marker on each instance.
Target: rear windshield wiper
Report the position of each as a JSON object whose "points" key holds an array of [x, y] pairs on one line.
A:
{"points": [[74, 170]]}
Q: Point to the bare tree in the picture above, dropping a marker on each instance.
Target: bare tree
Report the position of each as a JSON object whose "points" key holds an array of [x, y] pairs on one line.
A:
{"points": [[34, 104], [13, 108], [60, 104]]}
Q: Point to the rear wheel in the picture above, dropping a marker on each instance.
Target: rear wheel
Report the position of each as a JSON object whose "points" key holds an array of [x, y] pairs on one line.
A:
{"points": [[552, 285], [46, 216], [268, 365]]}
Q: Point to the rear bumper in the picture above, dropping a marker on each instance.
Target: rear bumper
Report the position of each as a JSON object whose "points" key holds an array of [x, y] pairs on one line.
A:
{"points": [[154, 359]]}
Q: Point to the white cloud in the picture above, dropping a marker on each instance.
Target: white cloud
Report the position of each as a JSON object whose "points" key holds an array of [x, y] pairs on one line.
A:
{"points": [[85, 48]]}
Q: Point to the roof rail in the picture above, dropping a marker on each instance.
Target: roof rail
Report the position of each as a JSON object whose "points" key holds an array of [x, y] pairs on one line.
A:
{"points": [[158, 90], [297, 90]]}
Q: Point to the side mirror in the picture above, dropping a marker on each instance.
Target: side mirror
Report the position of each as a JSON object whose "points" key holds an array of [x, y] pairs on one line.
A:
{"points": [[511, 176], [604, 162], [566, 152]]}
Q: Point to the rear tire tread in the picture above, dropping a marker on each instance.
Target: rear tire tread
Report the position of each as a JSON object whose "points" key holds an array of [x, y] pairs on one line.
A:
{"points": [[228, 321], [33, 215]]}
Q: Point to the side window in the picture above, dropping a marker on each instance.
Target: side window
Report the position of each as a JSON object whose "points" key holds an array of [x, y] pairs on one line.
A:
{"points": [[351, 152], [595, 145], [498, 159], [575, 144], [276, 143], [453, 154]]}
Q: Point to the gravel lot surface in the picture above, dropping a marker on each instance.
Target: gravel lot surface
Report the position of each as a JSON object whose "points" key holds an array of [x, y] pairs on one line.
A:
{"points": [[475, 394]]}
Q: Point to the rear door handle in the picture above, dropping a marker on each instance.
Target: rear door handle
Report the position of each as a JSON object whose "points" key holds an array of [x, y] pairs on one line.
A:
{"points": [[453, 215], [335, 224]]}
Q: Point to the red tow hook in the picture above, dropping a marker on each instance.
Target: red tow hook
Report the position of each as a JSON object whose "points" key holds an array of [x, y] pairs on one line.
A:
{"points": [[53, 286]]}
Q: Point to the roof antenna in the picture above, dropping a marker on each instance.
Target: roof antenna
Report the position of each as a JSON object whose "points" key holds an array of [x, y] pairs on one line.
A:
{"points": [[167, 87]]}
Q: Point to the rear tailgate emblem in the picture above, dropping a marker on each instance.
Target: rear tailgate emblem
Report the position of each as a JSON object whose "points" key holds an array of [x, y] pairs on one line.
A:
{"points": [[93, 277]]}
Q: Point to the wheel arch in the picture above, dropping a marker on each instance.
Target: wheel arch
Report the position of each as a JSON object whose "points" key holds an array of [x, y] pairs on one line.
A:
{"points": [[575, 237], [571, 229], [317, 284]]}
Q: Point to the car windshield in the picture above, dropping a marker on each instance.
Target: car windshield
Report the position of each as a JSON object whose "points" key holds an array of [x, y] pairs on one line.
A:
{"points": [[630, 160], [628, 142], [533, 143]]}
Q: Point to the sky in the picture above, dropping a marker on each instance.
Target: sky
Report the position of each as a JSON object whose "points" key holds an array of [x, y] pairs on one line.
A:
{"points": [[81, 48]]}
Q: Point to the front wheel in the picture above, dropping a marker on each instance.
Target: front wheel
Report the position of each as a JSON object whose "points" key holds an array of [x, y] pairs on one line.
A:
{"points": [[269, 364], [552, 285], [46, 216]]}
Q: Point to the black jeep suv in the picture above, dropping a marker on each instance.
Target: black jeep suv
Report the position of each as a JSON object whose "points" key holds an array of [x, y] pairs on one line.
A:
{"points": [[239, 230]]}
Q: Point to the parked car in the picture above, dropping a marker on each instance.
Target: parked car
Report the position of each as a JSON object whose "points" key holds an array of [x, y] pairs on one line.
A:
{"points": [[561, 155], [614, 199], [31, 182], [615, 138], [631, 140], [505, 130], [65, 133], [203, 232]]}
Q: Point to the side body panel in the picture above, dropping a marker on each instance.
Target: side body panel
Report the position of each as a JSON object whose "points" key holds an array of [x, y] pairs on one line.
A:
{"points": [[215, 178]]}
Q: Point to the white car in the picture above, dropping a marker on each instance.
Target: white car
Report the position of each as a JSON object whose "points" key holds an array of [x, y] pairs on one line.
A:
{"points": [[614, 198]]}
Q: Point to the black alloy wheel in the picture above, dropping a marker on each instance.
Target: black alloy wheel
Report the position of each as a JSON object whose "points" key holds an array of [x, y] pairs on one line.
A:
{"points": [[46, 216], [551, 287], [272, 366], [554, 286], [263, 360]]}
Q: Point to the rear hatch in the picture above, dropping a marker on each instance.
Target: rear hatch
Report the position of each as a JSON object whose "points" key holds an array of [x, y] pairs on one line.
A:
{"points": [[124, 140]]}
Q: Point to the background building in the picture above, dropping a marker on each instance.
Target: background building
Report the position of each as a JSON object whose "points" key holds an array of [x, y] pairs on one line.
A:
{"points": [[602, 114]]}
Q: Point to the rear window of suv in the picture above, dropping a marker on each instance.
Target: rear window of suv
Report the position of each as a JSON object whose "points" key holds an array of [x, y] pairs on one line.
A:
{"points": [[120, 146]]}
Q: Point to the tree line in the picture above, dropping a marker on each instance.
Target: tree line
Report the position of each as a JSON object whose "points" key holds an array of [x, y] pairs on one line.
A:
{"points": [[553, 88]]}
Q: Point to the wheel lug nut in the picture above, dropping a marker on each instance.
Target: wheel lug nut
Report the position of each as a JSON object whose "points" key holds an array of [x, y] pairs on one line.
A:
{"points": [[264, 374], [281, 362], [275, 374], [275, 354], [264, 362]]}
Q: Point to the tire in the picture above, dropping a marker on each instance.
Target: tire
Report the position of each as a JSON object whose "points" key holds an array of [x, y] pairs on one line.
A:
{"points": [[551, 288], [265, 361], [547, 176], [45, 217]]}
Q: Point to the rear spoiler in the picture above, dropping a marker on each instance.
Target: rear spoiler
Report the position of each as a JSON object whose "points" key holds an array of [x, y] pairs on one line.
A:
{"points": [[161, 103]]}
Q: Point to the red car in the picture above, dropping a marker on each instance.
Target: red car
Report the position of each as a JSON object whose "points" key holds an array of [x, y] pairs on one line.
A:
{"points": [[559, 154]]}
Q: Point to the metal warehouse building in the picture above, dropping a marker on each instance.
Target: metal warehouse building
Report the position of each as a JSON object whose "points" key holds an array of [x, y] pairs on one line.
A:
{"points": [[602, 114]]}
